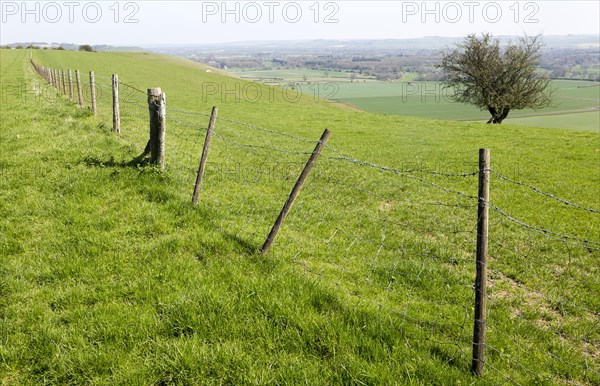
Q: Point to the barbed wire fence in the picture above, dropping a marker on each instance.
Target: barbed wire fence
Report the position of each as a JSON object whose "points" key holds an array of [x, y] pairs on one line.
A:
{"points": [[400, 241]]}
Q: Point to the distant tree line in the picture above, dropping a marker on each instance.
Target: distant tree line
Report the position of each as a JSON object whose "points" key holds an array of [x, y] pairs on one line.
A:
{"points": [[573, 63]]}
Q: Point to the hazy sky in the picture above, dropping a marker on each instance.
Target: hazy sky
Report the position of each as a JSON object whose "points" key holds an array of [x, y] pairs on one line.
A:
{"points": [[189, 22]]}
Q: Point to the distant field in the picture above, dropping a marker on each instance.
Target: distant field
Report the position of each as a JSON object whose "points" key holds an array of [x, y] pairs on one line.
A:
{"points": [[578, 100], [589, 121], [295, 75]]}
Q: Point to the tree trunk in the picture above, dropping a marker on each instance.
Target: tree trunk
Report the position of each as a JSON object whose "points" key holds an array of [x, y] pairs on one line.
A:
{"points": [[504, 114], [493, 112], [498, 116]]}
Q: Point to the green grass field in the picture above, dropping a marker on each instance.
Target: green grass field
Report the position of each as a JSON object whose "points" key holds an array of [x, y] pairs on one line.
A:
{"points": [[108, 275]]}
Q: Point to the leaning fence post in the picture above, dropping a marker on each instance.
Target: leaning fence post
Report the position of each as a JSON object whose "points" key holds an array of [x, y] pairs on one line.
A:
{"points": [[295, 190], [116, 112], [158, 123], [93, 92], [79, 90], [70, 74], [481, 268], [199, 176]]}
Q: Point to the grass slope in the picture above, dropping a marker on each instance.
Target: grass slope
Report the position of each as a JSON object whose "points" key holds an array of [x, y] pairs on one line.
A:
{"points": [[109, 276]]}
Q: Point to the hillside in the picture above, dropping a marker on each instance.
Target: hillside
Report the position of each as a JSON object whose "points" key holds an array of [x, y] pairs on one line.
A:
{"points": [[109, 275]]}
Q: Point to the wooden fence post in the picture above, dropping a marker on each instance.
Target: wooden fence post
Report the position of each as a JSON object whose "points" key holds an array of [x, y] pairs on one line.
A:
{"points": [[93, 92], [481, 268], [64, 82], [115, 98], [294, 193], [79, 88], [70, 75], [211, 126], [157, 107]]}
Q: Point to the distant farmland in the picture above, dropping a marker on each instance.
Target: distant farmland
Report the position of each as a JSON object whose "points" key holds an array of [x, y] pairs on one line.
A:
{"points": [[575, 107], [576, 104]]}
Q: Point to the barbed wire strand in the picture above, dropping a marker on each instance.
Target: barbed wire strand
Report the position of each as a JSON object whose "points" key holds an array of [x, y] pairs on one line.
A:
{"points": [[538, 190], [547, 232]]}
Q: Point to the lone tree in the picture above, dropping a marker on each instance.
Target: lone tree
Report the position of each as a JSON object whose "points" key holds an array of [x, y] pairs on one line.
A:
{"points": [[86, 47], [499, 79]]}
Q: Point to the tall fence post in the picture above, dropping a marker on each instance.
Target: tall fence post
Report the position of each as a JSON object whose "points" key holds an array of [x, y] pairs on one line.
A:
{"points": [[294, 193], [481, 268], [71, 94], [200, 175], [115, 98], [79, 88], [157, 107], [93, 92]]}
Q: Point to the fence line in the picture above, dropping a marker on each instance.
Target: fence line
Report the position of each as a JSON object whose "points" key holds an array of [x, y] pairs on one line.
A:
{"points": [[384, 252]]}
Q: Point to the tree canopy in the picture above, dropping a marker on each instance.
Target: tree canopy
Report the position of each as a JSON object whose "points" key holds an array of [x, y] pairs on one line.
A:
{"points": [[497, 78], [86, 47]]}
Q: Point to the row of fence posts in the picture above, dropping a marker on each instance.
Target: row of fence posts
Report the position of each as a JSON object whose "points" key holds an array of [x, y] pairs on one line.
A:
{"points": [[63, 81], [156, 149]]}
